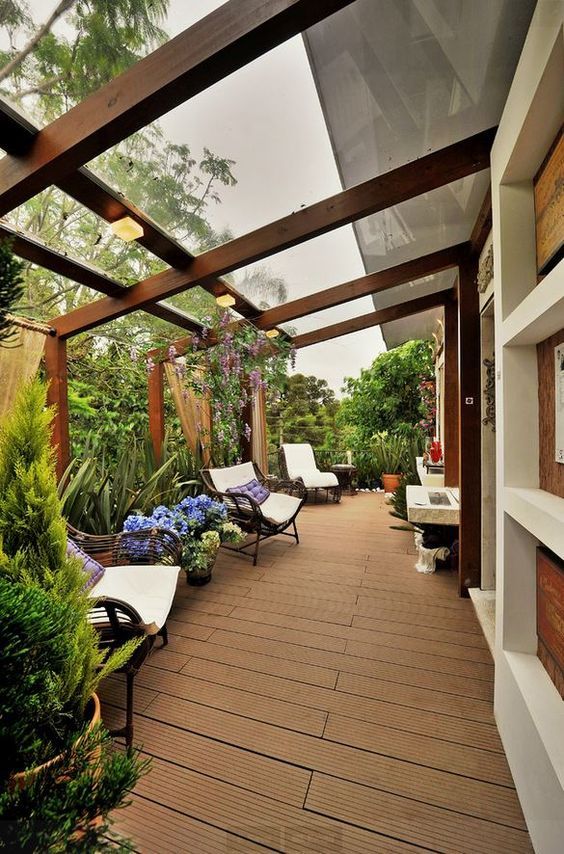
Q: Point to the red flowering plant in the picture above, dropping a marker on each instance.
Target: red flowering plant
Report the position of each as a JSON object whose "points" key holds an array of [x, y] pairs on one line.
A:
{"points": [[428, 422], [228, 363]]}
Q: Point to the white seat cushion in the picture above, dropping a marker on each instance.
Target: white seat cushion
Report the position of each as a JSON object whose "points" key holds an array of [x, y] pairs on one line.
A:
{"points": [[279, 507], [315, 479], [227, 478], [300, 462], [148, 589]]}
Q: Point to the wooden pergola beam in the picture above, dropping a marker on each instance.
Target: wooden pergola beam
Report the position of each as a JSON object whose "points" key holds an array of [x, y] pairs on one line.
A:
{"points": [[229, 38], [28, 247], [374, 318], [400, 274], [16, 136], [483, 224], [420, 176]]}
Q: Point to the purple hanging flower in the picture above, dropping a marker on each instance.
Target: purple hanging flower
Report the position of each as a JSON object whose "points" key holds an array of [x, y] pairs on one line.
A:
{"points": [[224, 320], [134, 354], [150, 365], [247, 432], [172, 353]]}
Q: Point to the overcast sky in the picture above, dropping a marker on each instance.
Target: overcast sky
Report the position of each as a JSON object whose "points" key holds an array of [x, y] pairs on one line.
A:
{"points": [[267, 118]]}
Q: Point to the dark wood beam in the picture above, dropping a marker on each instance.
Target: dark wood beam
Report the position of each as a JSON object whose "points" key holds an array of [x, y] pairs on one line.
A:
{"points": [[421, 176], [229, 38], [470, 475], [483, 224], [450, 396], [30, 248], [156, 408], [56, 371], [374, 283], [16, 136], [374, 318]]}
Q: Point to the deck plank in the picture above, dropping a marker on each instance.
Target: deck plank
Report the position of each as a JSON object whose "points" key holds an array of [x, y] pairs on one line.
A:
{"points": [[329, 700]]}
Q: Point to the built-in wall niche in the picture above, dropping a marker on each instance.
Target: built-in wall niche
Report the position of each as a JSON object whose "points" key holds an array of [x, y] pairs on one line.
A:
{"points": [[550, 615], [551, 472]]}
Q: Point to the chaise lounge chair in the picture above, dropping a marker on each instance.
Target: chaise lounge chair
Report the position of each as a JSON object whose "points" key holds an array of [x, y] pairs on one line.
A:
{"points": [[297, 462], [241, 488], [132, 595]]}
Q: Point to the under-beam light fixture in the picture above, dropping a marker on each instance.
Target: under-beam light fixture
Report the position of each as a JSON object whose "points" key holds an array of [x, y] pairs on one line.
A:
{"points": [[127, 229], [225, 300], [272, 333]]}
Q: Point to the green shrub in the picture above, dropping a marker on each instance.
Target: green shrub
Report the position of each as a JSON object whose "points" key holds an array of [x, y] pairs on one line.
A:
{"points": [[65, 808], [50, 659], [97, 499]]}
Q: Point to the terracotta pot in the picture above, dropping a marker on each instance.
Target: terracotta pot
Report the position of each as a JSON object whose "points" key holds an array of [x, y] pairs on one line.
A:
{"points": [[391, 482], [92, 714]]}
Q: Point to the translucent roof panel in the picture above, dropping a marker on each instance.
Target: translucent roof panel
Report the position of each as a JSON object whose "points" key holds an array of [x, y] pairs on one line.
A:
{"points": [[398, 80], [249, 150]]}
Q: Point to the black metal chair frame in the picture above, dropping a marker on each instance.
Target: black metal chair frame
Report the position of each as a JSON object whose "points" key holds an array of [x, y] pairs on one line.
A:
{"points": [[115, 621], [247, 513], [335, 491]]}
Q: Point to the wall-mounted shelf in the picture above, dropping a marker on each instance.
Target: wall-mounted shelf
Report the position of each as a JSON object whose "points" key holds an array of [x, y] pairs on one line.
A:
{"points": [[540, 512], [540, 314]]}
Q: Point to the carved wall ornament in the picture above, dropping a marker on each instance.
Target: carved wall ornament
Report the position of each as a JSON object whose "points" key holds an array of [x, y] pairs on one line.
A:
{"points": [[489, 394], [486, 271]]}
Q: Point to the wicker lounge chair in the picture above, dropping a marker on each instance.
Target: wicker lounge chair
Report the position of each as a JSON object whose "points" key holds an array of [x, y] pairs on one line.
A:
{"points": [[297, 462], [134, 596], [268, 519]]}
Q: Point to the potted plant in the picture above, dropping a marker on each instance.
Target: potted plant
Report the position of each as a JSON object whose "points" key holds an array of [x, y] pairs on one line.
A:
{"points": [[51, 741], [202, 525], [389, 452]]}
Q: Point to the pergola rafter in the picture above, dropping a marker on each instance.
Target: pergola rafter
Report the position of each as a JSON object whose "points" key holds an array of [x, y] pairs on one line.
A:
{"points": [[391, 188], [17, 134], [30, 248], [373, 318]]}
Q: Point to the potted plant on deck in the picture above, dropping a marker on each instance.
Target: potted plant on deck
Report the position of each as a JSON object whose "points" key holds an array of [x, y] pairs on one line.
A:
{"points": [[60, 778], [202, 525], [389, 453]]}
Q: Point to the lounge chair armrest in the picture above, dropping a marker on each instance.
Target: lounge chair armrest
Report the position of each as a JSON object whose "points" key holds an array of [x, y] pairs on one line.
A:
{"points": [[148, 546], [291, 487]]}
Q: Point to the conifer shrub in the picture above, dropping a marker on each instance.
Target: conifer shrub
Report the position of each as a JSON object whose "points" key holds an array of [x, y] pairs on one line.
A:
{"points": [[50, 662]]}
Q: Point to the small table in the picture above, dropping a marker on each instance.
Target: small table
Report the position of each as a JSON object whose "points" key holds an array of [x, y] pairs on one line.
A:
{"points": [[345, 474], [433, 506]]}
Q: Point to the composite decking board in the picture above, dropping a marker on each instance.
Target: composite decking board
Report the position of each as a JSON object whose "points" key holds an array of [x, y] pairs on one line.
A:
{"points": [[282, 713], [157, 828], [257, 818], [371, 659], [440, 830], [249, 770], [320, 636], [307, 639], [449, 727], [446, 790], [309, 673], [421, 749], [265, 711], [416, 697], [369, 627]]}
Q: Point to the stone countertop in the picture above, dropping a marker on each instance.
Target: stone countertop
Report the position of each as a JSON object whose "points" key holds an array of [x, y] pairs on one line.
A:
{"points": [[421, 511]]}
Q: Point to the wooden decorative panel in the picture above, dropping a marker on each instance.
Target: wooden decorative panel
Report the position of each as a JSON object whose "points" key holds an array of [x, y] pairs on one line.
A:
{"points": [[551, 473], [549, 207], [550, 615]]}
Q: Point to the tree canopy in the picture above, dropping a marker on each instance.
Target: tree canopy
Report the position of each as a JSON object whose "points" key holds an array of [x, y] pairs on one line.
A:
{"points": [[387, 396]]}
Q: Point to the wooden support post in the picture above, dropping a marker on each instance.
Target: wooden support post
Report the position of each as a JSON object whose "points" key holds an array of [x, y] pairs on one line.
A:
{"points": [[156, 408], [470, 439], [451, 398], [57, 396]]}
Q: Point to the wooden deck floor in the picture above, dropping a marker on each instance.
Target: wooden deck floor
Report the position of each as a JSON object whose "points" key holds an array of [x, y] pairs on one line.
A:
{"points": [[330, 700]]}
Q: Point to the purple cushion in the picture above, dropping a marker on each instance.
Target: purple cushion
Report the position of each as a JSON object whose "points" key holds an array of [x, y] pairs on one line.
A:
{"points": [[253, 489], [93, 570]]}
